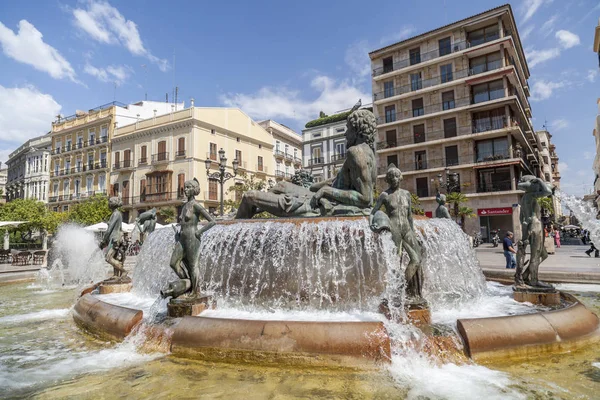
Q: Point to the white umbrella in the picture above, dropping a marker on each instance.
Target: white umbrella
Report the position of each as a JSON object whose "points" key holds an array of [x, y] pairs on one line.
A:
{"points": [[99, 227], [127, 227], [571, 227], [11, 223], [159, 226]]}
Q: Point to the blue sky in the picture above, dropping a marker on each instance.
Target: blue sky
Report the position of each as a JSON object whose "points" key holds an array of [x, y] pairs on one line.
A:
{"points": [[274, 59]]}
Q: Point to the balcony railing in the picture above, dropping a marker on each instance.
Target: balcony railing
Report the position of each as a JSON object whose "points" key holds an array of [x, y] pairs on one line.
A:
{"points": [[297, 160], [158, 197], [160, 157], [53, 199], [494, 186], [436, 80], [279, 153], [316, 161], [338, 157], [289, 156], [417, 112], [430, 55], [180, 154], [491, 156], [280, 174], [261, 168], [143, 161]]}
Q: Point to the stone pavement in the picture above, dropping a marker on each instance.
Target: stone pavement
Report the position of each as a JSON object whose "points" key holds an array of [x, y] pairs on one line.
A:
{"points": [[568, 264]]}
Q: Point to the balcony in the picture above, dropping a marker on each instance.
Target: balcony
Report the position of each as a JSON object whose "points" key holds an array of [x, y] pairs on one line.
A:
{"points": [[338, 157], [491, 156], [158, 197], [426, 110], [160, 158], [280, 174], [101, 165], [243, 165], [297, 161], [53, 199], [316, 161], [180, 154], [494, 186], [279, 154], [143, 161], [261, 169], [289, 157]]}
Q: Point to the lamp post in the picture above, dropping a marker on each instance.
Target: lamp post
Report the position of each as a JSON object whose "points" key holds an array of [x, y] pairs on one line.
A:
{"points": [[450, 184], [221, 175]]}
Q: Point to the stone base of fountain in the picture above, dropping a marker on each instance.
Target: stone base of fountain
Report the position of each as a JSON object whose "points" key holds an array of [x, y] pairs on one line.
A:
{"points": [[546, 297], [182, 307], [115, 286], [417, 313]]}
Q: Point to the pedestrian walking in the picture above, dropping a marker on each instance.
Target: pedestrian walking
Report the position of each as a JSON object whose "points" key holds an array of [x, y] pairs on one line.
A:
{"points": [[509, 251], [593, 249], [557, 238]]}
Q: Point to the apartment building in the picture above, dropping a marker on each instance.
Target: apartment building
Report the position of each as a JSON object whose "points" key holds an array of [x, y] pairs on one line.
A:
{"points": [[80, 155], [456, 99], [28, 175], [549, 166], [3, 180], [152, 158], [325, 144], [287, 149]]}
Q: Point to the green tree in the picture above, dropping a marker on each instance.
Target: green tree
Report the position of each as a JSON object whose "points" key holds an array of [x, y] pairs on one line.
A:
{"points": [[416, 205], [91, 211], [546, 203], [456, 199], [244, 183], [52, 220], [168, 214], [28, 210]]}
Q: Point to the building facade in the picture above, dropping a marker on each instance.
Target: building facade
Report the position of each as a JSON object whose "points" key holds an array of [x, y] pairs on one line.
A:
{"points": [[548, 158], [596, 165], [152, 158], [3, 181], [28, 175], [455, 100], [287, 149], [80, 156]]}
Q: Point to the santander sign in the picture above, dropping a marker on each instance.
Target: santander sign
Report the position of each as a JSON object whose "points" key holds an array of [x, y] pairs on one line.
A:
{"points": [[494, 211]]}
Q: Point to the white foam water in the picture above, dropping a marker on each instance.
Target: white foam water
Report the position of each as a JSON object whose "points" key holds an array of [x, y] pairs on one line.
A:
{"points": [[292, 315], [578, 287], [35, 316], [585, 213]]}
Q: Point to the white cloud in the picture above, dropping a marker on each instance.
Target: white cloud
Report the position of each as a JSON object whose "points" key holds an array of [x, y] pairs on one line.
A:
{"points": [[113, 73], [587, 155], [559, 124], [548, 26], [285, 103], [28, 47], [527, 31], [357, 58], [529, 8], [563, 166], [106, 24], [535, 57], [25, 113], [592, 74], [567, 39], [542, 89], [402, 34]]}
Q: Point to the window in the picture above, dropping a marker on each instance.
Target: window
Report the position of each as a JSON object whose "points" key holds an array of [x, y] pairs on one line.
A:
{"points": [[420, 160], [77, 186], [162, 151], [127, 158], [422, 187], [213, 151], [488, 62], [115, 189], [78, 165], [483, 35], [89, 184], [143, 154], [451, 155], [388, 64], [392, 160], [238, 156], [448, 100], [55, 189], [416, 82], [102, 160], [68, 145], [545, 158], [446, 73], [180, 184], [419, 133], [103, 133], [488, 120], [390, 113], [117, 160], [548, 179], [90, 161], [180, 147], [494, 179], [316, 155], [493, 149], [417, 107], [79, 141], [260, 166], [488, 91], [65, 208], [212, 189], [316, 135], [415, 56], [390, 138], [287, 148], [338, 130], [65, 187], [102, 183], [388, 89], [449, 127], [340, 150], [544, 144], [445, 46], [91, 137]]}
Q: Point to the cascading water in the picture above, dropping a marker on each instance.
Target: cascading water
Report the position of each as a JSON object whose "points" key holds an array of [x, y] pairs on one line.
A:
{"points": [[585, 213], [75, 257]]}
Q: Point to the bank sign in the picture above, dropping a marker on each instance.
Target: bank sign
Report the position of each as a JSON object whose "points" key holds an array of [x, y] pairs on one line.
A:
{"points": [[486, 212]]}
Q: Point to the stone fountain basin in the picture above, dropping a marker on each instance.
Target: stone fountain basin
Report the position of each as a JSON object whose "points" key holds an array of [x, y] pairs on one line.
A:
{"points": [[362, 344]]}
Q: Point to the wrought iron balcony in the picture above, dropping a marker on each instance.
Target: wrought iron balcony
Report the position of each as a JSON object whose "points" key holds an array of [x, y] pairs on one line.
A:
{"points": [[160, 158]]}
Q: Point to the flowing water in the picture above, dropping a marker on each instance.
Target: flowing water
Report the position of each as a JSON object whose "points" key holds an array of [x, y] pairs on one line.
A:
{"points": [[585, 213]]}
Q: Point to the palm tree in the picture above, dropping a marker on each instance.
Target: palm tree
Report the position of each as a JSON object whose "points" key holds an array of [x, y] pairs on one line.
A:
{"points": [[416, 205], [456, 199], [168, 214], [464, 212]]}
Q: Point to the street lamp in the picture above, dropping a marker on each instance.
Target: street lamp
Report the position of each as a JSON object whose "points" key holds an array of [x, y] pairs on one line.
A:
{"points": [[451, 184], [221, 175]]}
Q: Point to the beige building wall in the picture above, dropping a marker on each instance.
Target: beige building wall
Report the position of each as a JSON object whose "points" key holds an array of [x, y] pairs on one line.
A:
{"points": [[287, 149], [177, 145]]}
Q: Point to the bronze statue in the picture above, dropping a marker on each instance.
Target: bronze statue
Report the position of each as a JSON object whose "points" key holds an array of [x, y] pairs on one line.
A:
{"points": [[532, 233], [349, 193], [113, 239], [146, 223], [186, 254], [398, 220], [441, 211]]}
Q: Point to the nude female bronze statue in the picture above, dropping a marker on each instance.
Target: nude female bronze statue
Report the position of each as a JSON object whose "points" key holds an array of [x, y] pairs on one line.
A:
{"points": [[532, 233], [186, 254], [441, 211], [349, 193], [398, 220], [113, 239]]}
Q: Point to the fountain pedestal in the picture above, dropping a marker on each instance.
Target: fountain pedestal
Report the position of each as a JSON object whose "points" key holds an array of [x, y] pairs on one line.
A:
{"points": [[417, 313], [180, 307], [115, 286], [543, 296]]}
